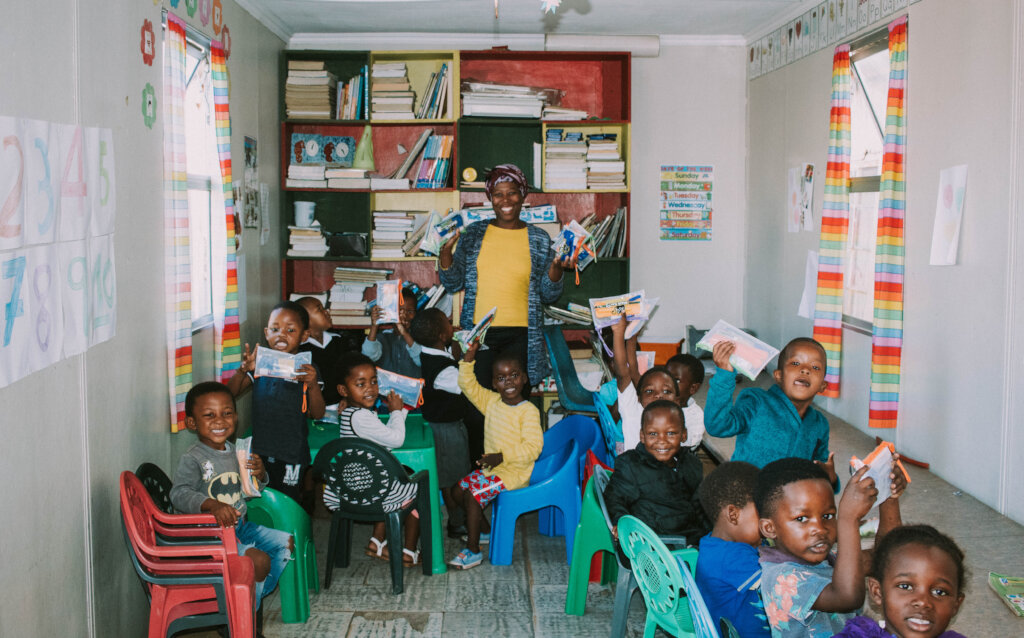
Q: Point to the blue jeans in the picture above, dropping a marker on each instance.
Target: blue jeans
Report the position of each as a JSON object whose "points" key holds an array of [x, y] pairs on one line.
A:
{"points": [[272, 542]]}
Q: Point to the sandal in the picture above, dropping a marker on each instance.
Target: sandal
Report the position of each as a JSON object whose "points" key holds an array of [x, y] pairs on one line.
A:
{"points": [[410, 558], [380, 551]]}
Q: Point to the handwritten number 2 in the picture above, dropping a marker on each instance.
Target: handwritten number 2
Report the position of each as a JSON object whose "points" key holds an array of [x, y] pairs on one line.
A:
{"points": [[13, 199]]}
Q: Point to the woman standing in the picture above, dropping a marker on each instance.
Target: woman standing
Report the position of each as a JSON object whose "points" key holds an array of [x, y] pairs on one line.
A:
{"points": [[505, 263]]}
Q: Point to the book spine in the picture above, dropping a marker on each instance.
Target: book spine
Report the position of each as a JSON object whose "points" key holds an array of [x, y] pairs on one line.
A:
{"points": [[365, 93]]}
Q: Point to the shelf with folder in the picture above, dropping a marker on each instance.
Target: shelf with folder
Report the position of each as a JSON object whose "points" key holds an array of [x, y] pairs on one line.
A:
{"points": [[343, 65], [419, 66]]}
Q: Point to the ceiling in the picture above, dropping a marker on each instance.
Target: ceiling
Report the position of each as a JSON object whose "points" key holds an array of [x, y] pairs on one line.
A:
{"points": [[694, 18]]}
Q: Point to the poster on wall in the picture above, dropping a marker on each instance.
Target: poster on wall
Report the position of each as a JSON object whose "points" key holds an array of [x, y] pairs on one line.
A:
{"points": [[250, 186], [58, 291], [800, 200], [949, 209], [685, 202]]}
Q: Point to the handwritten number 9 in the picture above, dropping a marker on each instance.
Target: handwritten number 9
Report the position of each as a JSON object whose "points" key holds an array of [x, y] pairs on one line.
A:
{"points": [[13, 269]]}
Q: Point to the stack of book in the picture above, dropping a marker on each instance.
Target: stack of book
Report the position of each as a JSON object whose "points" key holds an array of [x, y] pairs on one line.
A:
{"points": [[436, 163], [411, 247], [305, 176], [347, 178], [606, 171], [391, 97], [351, 99], [574, 313], [306, 241], [565, 163], [313, 157], [434, 103], [390, 231], [609, 234], [564, 114], [346, 305], [309, 90], [488, 99]]}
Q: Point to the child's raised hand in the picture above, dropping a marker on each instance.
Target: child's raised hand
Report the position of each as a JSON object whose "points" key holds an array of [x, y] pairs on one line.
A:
{"points": [[858, 497], [899, 479], [255, 466], [225, 514], [449, 245], [456, 350], [830, 467], [248, 360], [306, 374], [393, 401], [721, 353], [470, 354], [619, 327], [375, 313]]}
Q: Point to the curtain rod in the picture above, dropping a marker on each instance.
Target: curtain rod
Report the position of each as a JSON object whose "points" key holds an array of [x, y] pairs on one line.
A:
{"points": [[197, 37]]}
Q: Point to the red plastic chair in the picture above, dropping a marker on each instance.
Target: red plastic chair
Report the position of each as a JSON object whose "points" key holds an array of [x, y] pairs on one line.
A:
{"points": [[189, 585]]}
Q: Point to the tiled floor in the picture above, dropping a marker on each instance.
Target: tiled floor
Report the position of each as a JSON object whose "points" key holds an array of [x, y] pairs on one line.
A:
{"points": [[528, 597]]}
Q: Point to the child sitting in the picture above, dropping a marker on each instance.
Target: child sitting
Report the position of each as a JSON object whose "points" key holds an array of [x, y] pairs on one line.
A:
{"points": [[512, 442], [728, 571], [280, 407], [325, 345], [208, 480], [806, 590], [394, 349], [656, 383], [359, 390], [689, 375], [917, 580], [779, 422], [657, 481], [444, 407]]}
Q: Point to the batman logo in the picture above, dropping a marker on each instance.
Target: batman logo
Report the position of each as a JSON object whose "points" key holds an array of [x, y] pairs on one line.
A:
{"points": [[226, 488]]}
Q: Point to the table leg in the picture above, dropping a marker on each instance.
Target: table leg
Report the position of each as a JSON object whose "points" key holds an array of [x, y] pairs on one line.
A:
{"points": [[437, 546]]}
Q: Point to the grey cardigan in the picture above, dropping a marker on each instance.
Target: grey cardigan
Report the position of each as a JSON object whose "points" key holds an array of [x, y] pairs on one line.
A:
{"points": [[462, 275]]}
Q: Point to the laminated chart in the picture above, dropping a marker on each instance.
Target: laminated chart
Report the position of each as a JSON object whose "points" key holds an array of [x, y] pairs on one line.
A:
{"points": [[685, 202]]}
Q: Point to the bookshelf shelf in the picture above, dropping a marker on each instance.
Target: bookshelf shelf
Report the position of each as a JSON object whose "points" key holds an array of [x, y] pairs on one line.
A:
{"points": [[596, 82]]}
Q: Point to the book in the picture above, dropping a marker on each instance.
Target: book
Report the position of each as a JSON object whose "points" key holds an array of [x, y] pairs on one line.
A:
{"points": [[440, 230], [345, 173], [880, 464], [413, 154], [477, 332], [1010, 590], [306, 65], [389, 298], [349, 182]]}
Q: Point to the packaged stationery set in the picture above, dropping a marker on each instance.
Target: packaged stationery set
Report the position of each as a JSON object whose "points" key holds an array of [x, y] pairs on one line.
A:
{"points": [[751, 354], [411, 390], [280, 365]]}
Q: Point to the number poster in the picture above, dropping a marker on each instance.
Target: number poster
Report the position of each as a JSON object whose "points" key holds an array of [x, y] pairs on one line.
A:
{"points": [[57, 205], [686, 202]]}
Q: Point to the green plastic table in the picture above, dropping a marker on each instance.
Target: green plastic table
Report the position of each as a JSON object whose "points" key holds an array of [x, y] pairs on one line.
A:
{"points": [[418, 453]]}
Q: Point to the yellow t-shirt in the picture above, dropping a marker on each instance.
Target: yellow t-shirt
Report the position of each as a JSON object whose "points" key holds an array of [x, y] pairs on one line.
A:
{"points": [[503, 276]]}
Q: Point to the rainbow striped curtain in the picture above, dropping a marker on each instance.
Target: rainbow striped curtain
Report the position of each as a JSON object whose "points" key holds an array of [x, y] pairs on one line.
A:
{"points": [[835, 219], [177, 268], [226, 330], [887, 333]]}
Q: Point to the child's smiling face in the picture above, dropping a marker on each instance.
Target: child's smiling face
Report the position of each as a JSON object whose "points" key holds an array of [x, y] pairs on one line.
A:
{"points": [[802, 375], [213, 419], [804, 520], [662, 434], [360, 387], [918, 593], [284, 330], [658, 385], [509, 381], [684, 381]]}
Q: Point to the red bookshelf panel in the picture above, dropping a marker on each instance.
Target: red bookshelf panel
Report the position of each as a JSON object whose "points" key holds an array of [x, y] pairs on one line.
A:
{"points": [[317, 276]]}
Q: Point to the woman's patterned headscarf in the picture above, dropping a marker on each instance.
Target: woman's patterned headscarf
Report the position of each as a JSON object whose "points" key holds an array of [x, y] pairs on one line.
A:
{"points": [[506, 173]]}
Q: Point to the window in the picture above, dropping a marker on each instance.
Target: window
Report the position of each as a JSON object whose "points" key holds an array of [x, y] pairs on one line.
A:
{"points": [[869, 64], [203, 174]]}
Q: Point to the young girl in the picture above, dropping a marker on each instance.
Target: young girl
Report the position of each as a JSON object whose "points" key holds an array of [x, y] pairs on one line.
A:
{"points": [[656, 383], [917, 581], [359, 392]]}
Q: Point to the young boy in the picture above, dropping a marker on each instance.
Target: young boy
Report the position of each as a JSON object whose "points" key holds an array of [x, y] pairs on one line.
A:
{"points": [[657, 481], [444, 407], [728, 572], [281, 406], [512, 442], [808, 591], [395, 349], [325, 345], [689, 374], [779, 422], [207, 480]]}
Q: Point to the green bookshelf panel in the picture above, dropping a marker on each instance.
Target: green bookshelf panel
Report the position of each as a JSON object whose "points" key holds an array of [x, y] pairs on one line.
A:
{"points": [[484, 143], [602, 278]]}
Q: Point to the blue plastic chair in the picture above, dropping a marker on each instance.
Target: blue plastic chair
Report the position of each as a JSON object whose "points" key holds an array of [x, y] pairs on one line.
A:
{"points": [[673, 601], [610, 430], [555, 482], [587, 434], [571, 393]]}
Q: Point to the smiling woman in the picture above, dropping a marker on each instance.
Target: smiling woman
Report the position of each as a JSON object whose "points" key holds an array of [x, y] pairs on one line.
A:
{"points": [[507, 264]]}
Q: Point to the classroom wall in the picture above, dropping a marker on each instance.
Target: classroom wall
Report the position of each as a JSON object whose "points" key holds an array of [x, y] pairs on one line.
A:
{"points": [[70, 429], [688, 107], [958, 319]]}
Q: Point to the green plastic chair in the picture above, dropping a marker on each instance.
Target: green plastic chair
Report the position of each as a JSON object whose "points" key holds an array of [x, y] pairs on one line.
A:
{"points": [[279, 511], [592, 536], [673, 601], [727, 630]]}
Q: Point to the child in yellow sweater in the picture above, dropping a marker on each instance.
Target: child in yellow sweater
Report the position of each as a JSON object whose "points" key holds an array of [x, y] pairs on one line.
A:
{"points": [[512, 442]]}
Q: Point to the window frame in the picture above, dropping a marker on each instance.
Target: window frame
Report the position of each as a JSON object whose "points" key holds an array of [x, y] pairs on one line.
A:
{"points": [[868, 45]]}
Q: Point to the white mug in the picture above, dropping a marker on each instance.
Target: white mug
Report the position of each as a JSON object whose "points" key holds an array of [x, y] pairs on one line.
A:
{"points": [[304, 213]]}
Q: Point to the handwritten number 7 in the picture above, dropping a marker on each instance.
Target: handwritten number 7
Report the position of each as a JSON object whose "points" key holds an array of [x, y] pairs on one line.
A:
{"points": [[13, 269]]}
